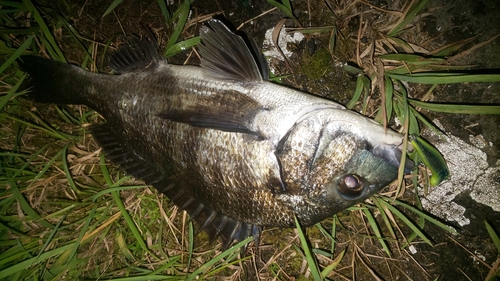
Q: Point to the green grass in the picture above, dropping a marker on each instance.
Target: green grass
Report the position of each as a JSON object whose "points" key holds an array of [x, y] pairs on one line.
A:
{"points": [[67, 213], [49, 239], [494, 273]]}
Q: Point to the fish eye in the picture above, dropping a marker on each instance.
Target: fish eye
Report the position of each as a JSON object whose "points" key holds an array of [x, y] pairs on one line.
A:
{"points": [[351, 185]]}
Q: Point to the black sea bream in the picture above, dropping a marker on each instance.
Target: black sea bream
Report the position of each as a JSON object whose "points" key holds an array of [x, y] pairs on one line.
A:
{"points": [[235, 151]]}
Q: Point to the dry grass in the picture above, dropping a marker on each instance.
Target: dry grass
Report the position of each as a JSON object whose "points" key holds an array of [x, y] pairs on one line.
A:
{"points": [[66, 213]]}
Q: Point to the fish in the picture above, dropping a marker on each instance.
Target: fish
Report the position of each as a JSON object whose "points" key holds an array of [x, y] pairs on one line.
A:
{"points": [[237, 152]]}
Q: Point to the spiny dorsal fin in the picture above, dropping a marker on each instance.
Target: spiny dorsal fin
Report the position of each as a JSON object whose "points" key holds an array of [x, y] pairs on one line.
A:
{"points": [[226, 56], [214, 223], [134, 54]]}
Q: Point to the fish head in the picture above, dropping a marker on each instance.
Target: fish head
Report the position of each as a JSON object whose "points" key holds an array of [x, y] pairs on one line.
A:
{"points": [[333, 159]]}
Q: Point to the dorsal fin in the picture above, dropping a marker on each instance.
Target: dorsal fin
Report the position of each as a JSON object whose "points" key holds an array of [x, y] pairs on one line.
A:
{"points": [[134, 54], [214, 223], [226, 56]]}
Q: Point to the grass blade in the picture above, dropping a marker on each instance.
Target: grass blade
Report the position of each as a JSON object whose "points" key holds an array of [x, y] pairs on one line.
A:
{"points": [[32, 261], [51, 235], [26, 207], [181, 46], [411, 59], [119, 203], [310, 258], [385, 218], [48, 36], [284, 6], [218, 258], [12, 92], [420, 213], [431, 157], [66, 168], [333, 265], [410, 14], [493, 235], [445, 78], [406, 221], [112, 7], [181, 15], [362, 84], [376, 230], [164, 10], [457, 108], [16, 54]]}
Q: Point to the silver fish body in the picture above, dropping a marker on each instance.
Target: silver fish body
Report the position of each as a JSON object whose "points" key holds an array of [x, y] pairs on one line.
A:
{"points": [[235, 151]]}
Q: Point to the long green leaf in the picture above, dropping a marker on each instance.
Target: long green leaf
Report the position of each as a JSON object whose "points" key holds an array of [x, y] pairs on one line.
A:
{"points": [[457, 108], [83, 231], [111, 7], [408, 17], [333, 265], [357, 92], [384, 216], [147, 278], [26, 207], [285, 7], [445, 78], [408, 222], [45, 127], [310, 258], [164, 10], [16, 54], [181, 46], [119, 203], [493, 235], [389, 91], [51, 236], [30, 262], [116, 188], [54, 47], [66, 168], [5, 99], [432, 159], [376, 230], [420, 213], [218, 258], [181, 15], [411, 58]]}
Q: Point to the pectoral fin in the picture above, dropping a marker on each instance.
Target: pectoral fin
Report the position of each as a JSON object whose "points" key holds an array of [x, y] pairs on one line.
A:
{"points": [[227, 111]]}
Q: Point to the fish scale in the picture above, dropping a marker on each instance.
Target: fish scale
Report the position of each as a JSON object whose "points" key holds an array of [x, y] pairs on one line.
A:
{"points": [[235, 151]]}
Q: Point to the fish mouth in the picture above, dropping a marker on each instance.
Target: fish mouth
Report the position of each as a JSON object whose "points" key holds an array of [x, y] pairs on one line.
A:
{"points": [[372, 168], [393, 154]]}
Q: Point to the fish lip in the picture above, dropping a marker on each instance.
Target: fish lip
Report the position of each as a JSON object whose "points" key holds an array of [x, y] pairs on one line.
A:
{"points": [[393, 154]]}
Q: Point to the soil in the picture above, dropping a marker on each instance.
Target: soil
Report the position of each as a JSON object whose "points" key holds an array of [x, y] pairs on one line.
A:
{"points": [[451, 257]]}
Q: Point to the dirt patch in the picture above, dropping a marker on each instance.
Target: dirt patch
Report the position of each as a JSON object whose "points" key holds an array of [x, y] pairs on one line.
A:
{"points": [[314, 69]]}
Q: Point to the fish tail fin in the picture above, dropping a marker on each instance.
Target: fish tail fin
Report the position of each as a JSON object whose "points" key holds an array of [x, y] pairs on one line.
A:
{"points": [[52, 81]]}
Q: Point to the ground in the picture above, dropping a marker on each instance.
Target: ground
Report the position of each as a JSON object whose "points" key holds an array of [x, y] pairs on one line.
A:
{"points": [[317, 68]]}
